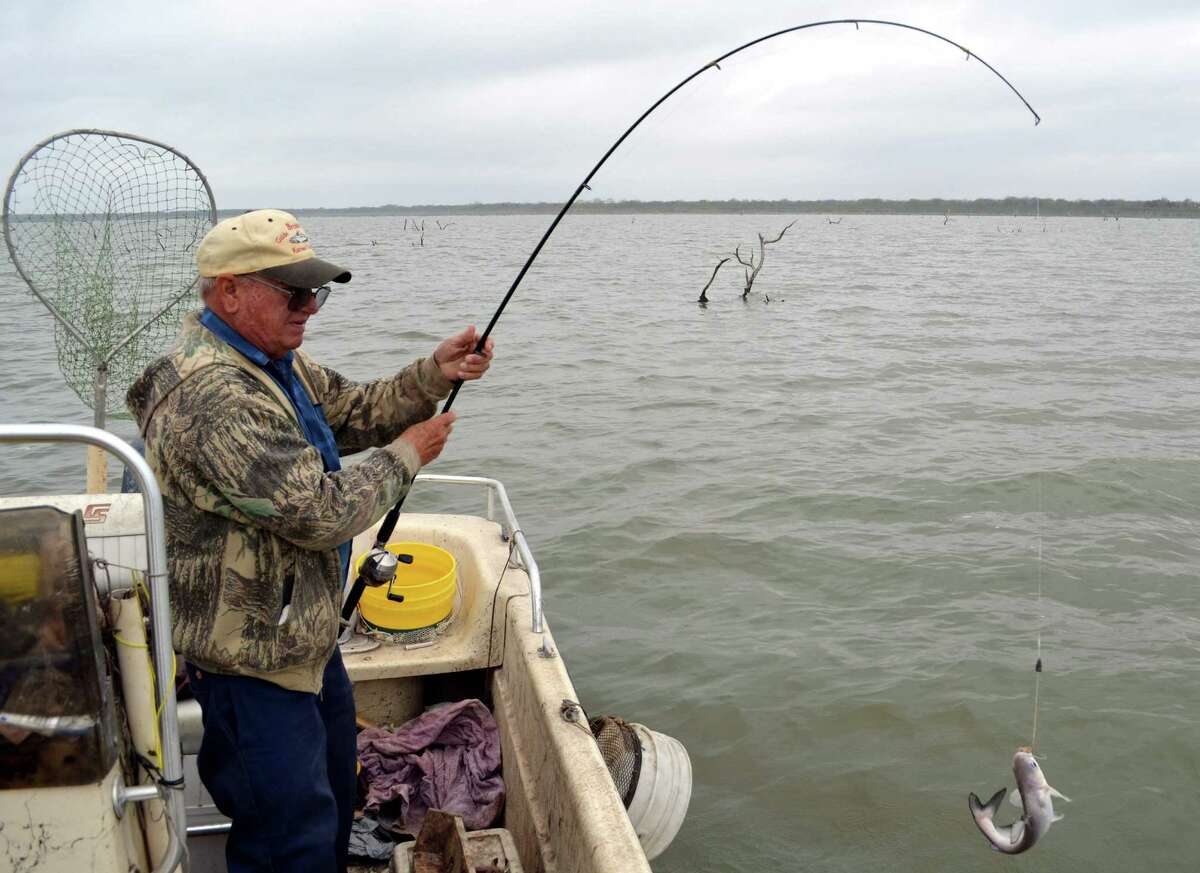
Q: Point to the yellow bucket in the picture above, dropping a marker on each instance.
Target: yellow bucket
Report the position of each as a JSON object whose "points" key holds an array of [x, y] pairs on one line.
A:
{"points": [[422, 594], [19, 576]]}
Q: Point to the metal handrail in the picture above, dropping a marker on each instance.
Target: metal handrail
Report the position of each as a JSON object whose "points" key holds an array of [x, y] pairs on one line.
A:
{"points": [[496, 490], [160, 610]]}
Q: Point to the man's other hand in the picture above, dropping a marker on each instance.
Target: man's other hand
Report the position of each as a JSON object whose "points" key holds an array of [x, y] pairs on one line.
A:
{"points": [[429, 437], [456, 356]]}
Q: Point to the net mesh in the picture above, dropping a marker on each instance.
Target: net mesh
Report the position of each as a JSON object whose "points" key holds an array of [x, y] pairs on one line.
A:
{"points": [[104, 228], [417, 636], [621, 751]]}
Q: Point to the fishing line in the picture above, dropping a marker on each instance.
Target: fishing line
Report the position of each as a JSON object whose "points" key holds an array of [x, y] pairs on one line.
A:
{"points": [[389, 522], [1037, 666]]}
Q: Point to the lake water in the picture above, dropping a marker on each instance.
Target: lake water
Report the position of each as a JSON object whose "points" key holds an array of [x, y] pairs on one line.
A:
{"points": [[806, 537]]}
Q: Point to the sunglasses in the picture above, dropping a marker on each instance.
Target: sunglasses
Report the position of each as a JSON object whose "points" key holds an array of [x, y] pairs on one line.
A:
{"points": [[298, 298]]}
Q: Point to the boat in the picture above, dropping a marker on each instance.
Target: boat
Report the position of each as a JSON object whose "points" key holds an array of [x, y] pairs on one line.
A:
{"points": [[114, 787]]}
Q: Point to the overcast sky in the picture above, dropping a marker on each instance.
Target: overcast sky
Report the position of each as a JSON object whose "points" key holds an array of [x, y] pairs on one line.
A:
{"points": [[356, 103]]}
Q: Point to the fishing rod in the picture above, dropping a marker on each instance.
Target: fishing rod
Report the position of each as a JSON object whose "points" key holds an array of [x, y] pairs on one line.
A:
{"points": [[379, 564]]}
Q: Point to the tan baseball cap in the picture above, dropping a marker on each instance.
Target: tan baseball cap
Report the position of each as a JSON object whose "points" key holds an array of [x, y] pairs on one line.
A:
{"points": [[267, 241]]}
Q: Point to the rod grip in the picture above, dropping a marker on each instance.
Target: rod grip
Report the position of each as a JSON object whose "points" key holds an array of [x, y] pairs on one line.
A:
{"points": [[353, 597]]}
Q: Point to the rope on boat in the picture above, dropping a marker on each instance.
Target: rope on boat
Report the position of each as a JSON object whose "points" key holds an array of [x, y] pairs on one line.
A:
{"points": [[508, 562]]}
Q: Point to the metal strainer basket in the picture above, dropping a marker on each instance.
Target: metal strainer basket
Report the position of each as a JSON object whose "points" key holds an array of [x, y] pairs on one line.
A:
{"points": [[622, 753], [417, 636]]}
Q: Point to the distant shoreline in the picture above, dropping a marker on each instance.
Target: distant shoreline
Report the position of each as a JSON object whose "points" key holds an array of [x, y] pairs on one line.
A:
{"points": [[1022, 207]]}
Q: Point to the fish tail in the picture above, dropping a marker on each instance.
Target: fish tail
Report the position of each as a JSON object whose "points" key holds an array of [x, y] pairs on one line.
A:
{"points": [[986, 810]]}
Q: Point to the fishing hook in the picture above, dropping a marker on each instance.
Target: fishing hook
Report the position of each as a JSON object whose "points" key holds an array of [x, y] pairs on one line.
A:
{"points": [[389, 521]]}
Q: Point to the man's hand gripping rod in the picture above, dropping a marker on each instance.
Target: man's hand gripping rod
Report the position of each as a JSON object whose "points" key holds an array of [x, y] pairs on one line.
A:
{"points": [[379, 567]]}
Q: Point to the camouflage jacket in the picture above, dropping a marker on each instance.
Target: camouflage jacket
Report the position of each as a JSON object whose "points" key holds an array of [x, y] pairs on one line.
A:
{"points": [[249, 506]]}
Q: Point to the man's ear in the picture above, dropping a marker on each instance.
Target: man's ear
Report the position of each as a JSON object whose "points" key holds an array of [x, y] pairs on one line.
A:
{"points": [[226, 299]]}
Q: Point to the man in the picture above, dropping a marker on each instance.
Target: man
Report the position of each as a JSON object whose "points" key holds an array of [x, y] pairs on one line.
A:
{"points": [[245, 432]]}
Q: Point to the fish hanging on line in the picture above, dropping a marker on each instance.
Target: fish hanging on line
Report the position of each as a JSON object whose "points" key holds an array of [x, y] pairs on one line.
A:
{"points": [[1033, 794]]}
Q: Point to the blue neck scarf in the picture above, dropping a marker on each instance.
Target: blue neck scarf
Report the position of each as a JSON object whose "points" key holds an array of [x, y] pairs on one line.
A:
{"points": [[312, 417]]}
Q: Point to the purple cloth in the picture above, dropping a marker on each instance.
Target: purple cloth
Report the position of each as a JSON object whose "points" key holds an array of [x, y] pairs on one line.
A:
{"points": [[447, 758]]}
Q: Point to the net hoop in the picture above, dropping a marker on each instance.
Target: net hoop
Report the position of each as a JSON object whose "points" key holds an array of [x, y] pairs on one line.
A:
{"points": [[151, 188]]}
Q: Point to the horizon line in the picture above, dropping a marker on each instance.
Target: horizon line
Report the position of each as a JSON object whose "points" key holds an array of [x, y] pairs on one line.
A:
{"points": [[1054, 206]]}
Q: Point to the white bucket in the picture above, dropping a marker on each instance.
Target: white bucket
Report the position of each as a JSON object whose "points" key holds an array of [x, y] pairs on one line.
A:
{"points": [[664, 788]]}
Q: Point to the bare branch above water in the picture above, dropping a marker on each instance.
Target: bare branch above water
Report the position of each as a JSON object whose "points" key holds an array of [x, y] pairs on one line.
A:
{"points": [[704, 290]]}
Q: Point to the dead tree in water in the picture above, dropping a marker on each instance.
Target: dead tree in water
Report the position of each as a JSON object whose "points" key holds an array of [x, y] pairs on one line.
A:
{"points": [[418, 227], [753, 267], [703, 301]]}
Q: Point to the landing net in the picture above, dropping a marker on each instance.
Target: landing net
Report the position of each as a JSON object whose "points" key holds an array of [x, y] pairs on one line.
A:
{"points": [[103, 227]]}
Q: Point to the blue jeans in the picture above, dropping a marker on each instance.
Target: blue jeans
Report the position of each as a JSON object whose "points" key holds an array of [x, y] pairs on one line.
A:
{"points": [[281, 764]]}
